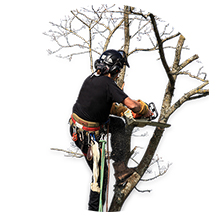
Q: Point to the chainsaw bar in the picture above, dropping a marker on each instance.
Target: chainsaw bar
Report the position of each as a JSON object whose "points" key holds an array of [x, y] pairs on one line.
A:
{"points": [[143, 122]]}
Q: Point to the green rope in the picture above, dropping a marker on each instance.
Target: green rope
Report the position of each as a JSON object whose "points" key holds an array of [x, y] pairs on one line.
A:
{"points": [[102, 173]]}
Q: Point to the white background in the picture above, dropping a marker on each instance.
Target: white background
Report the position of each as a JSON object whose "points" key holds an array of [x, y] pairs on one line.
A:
{"points": [[37, 94]]}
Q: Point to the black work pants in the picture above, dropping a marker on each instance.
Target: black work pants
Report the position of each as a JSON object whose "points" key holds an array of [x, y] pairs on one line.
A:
{"points": [[117, 130]]}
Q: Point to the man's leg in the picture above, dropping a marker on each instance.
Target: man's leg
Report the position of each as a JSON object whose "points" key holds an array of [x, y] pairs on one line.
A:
{"points": [[94, 196], [117, 130]]}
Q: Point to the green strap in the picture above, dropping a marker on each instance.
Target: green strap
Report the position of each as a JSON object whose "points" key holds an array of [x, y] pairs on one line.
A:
{"points": [[102, 173]]}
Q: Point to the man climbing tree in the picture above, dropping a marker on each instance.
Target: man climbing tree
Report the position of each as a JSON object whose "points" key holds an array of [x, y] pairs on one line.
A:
{"points": [[91, 115], [101, 25]]}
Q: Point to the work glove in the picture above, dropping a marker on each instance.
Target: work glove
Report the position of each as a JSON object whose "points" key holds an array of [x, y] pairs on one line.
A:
{"points": [[143, 111], [118, 109]]}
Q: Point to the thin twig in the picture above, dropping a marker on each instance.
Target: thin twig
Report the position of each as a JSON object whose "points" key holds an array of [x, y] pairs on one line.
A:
{"points": [[74, 154], [142, 191]]}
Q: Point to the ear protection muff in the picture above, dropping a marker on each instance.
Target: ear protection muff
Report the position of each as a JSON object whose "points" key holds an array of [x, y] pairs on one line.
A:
{"points": [[99, 65], [97, 62]]}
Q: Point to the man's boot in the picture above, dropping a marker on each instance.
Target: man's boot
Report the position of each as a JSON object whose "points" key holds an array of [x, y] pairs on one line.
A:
{"points": [[122, 172]]}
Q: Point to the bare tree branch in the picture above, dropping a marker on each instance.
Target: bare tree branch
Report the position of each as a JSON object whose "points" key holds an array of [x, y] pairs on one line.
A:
{"points": [[192, 76], [178, 52], [156, 47], [80, 18], [188, 96], [161, 51], [111, 33], [161, 171], [187, 62], [142, 49]]}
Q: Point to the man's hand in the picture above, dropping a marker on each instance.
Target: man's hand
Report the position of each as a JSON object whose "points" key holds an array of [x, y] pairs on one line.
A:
{"points": [[149, 113]]}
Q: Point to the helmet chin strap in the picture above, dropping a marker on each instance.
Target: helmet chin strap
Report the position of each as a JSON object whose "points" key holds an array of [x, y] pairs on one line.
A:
{"points": [[94, 74], [103, 71]]}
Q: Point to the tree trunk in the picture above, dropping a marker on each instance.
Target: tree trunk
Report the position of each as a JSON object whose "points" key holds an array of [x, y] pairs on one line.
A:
{"points": [[120, 80], [122, 192]]}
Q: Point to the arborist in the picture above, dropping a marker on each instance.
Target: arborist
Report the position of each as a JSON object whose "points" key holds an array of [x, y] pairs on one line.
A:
{"points": [[94, 109]]}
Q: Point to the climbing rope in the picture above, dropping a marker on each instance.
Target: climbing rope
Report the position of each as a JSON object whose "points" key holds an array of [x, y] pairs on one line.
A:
{"points": [[102, 174], [108, 157]]}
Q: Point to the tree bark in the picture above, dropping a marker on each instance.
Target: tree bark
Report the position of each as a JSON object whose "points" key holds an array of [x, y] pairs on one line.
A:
{"points": [[122, 192], [120, 80]]}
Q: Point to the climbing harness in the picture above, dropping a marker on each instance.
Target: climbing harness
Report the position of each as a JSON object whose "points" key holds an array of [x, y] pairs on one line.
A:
{"points": [[83, 124]]}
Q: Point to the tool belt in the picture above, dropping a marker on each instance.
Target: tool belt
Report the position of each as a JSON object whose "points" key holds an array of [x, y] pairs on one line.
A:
{"points": [[83, 124], [82, 128]]}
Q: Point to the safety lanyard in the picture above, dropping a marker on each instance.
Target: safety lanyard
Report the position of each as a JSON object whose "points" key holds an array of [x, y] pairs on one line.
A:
{"points": [[102, 173]]}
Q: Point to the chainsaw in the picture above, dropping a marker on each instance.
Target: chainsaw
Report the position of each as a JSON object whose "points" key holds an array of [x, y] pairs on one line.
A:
{"points": [[140, 121]]}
